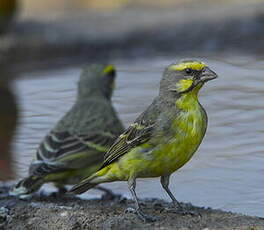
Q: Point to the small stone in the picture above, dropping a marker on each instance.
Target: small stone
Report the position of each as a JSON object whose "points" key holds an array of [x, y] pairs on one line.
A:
{"points": [[4, 214], [64, 214]]}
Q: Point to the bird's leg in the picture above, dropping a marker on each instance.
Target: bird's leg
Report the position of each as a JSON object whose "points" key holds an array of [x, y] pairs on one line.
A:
{"points": [[61, 190], [108, 194], [137, 210], [165, 180]]}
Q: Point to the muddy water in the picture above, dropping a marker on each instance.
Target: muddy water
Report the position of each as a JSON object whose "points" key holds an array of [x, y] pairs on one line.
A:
{"points": [[227, 171]]}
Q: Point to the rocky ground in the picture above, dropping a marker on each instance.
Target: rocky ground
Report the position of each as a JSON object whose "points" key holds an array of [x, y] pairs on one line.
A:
{"points": [[47, 212]]}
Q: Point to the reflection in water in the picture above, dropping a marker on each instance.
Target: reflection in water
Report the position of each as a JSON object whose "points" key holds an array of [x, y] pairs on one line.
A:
{"points": [[227, 170], [8, 122]]}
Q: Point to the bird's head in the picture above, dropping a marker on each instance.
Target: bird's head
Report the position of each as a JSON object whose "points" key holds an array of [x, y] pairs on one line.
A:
{"points": [[185, 77], [97, 80]]}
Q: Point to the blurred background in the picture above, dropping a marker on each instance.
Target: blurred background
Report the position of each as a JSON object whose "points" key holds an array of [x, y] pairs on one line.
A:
{"points": [[44, 45]]}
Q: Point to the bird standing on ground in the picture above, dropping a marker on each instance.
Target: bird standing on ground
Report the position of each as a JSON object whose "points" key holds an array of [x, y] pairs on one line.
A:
{"points": [[163, 138], [75, 147]]}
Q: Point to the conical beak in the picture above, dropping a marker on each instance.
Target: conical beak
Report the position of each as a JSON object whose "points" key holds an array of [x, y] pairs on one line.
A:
{"points": [[208, 75]]}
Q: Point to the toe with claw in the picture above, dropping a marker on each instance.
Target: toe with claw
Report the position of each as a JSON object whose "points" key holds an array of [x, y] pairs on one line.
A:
{"points": [[144, 217]]}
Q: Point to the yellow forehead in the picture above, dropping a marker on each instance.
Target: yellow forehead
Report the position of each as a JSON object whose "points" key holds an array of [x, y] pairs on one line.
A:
{"points": [[108, 69], [195, 65]]}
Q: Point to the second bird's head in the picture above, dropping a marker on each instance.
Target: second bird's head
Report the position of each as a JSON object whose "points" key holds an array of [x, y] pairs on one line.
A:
{"points": [[185, 77], [97, 80]]}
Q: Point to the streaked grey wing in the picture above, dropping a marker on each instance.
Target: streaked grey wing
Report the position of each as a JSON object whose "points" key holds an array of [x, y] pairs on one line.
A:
{"points": [[56, 144], [61, 151], [136, 134]]}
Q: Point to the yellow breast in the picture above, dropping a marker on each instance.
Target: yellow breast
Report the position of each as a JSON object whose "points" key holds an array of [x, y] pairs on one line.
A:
{"points": [[189, 128], [189, 132]]}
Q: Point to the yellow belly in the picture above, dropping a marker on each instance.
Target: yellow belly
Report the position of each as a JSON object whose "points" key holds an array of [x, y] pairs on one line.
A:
{"points": [[170, 153], [166, 157]]}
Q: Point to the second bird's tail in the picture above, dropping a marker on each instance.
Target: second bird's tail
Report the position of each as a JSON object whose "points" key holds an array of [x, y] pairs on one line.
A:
{"points": [[27, 186]]}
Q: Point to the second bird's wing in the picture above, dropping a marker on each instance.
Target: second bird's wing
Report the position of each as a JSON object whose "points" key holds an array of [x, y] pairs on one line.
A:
{"points": [[62, 150]]}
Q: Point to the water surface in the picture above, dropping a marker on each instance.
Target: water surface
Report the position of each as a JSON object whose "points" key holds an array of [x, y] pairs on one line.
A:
{"points": [[227, 170]]}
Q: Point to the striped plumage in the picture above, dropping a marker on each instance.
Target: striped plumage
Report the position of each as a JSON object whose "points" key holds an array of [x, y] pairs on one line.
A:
{"points": [[75, 147], [163, 138]]}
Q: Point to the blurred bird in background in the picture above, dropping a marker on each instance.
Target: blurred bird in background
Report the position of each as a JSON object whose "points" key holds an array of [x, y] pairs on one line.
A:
{"points": [[75, 147], [163, 138]]}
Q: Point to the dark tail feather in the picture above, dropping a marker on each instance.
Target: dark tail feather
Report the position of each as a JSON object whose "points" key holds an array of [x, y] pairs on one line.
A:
{"points": [[82, 187], [27, 186]]}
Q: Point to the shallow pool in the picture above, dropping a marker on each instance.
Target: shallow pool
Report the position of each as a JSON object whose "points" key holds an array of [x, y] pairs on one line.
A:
{"points": [[227, 170]]}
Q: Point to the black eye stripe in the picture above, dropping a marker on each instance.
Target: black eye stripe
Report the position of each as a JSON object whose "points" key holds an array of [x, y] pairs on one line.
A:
{"points": [[192, 72], [188, 70]]}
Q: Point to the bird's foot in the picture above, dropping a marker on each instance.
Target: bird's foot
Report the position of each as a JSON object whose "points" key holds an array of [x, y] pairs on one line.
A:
{"points": [[111, 196], [55, 195], [25, 197], [144, 217], [108, 194], [61, 192], [182, 211]]}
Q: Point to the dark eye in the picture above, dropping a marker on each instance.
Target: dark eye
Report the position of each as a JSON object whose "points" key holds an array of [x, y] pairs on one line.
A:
{"points": [[188, 71]]}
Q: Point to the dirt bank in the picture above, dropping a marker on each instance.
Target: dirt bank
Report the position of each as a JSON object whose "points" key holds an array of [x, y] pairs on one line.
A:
{"points": [[42, 212]]}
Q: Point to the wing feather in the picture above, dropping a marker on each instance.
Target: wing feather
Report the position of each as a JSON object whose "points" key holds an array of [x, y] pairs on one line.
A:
{"points": [[61, 150], [140, 132], [136, 134]]}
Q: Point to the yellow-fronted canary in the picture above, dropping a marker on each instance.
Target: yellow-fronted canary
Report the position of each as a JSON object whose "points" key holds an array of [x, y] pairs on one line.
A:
{"points": [[75, 147], [163, 138]]}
